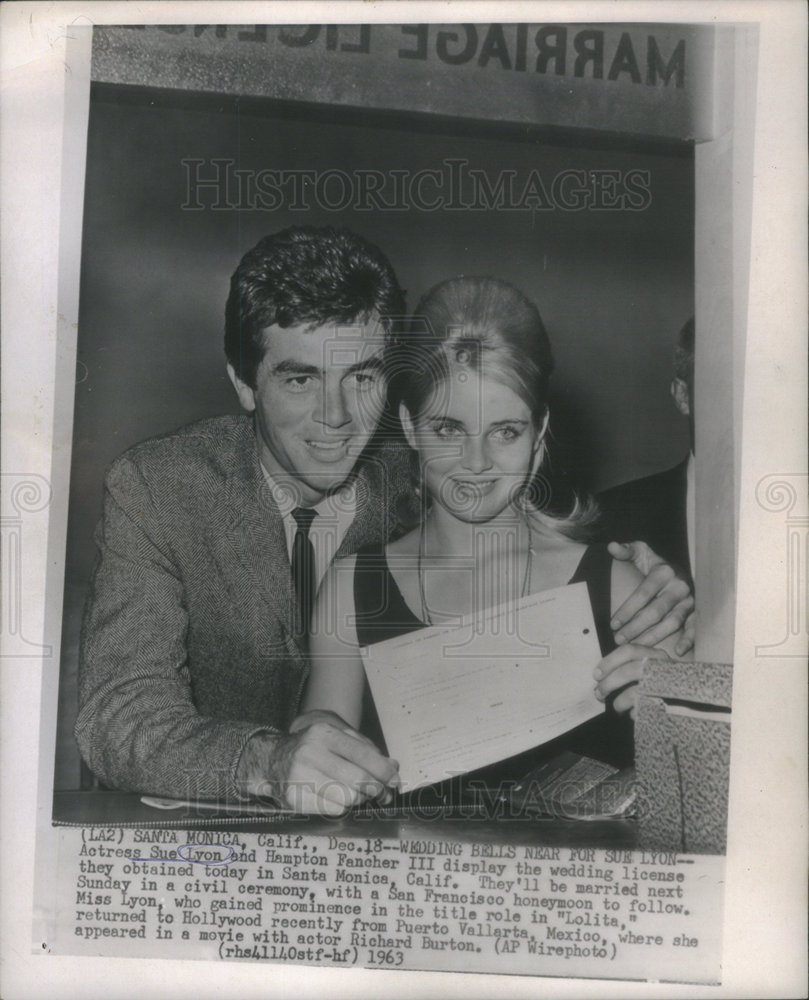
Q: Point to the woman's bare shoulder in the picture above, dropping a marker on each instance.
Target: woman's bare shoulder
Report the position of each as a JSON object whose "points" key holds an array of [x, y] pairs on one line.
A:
{"points": [[556, 556], [544, 538]]}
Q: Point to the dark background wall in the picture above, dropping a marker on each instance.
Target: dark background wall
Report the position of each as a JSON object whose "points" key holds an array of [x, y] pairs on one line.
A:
{"points": [[613, 286]]}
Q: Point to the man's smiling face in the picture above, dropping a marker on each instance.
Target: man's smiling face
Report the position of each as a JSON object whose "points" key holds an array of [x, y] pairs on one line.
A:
{"points": [[319, 394]]}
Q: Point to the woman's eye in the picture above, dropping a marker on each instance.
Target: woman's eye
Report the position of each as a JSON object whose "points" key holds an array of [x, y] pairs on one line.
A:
{"points": [[445, 431], [507, 433]]}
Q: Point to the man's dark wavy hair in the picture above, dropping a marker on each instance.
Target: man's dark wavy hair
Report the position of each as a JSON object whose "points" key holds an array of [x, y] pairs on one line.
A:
{"points": [[305, 275]]}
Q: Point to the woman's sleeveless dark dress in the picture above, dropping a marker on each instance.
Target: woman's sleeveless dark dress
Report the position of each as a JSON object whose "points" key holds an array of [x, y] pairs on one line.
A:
{"points": [[383, 614]]}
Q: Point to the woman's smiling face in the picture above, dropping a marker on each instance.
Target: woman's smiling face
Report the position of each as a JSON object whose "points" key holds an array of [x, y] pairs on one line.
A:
{"points": [[476, 441]]}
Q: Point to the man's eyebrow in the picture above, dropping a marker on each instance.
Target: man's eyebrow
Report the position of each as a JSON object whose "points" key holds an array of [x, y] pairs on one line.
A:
{"points": [[290, 367]]}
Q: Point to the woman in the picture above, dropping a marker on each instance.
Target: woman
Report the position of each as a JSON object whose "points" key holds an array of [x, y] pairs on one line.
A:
{"points": [[471, 380]]}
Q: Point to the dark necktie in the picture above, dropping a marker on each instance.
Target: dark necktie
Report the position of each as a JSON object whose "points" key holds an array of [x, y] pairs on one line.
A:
{"points": [[303, 569]]}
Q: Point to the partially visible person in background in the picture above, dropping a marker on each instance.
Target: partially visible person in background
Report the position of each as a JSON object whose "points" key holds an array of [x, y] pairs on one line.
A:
{"points": [[659, 509]]}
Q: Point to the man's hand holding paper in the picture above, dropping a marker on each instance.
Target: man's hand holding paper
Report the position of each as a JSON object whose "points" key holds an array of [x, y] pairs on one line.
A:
{"points": [[322, 766]]}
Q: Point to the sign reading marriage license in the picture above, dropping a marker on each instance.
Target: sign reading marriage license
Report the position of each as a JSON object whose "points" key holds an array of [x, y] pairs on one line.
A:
{"points": [[654, 80]]}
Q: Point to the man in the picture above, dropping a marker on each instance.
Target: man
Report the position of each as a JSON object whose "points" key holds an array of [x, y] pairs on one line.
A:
{"points": [[659, 509], [193, 646]]}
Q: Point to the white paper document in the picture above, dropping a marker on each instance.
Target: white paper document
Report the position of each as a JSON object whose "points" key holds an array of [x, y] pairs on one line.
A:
{"points": [[452, 699]]}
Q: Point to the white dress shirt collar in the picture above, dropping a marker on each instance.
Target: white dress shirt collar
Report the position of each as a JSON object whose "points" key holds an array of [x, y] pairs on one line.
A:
{"points": [[335, 513]]}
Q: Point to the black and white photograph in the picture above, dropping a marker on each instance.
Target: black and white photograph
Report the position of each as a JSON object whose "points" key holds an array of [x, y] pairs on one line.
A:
{"points": [[397, 514]]}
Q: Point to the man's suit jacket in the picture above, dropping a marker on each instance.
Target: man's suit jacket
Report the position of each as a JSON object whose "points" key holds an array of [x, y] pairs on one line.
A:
{"points": [[188, 644], [652, 510]]}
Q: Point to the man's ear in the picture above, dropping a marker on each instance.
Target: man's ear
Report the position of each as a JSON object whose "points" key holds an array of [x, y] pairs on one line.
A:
{"points": [[681, 396], [407, 425], [246, 395]]}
